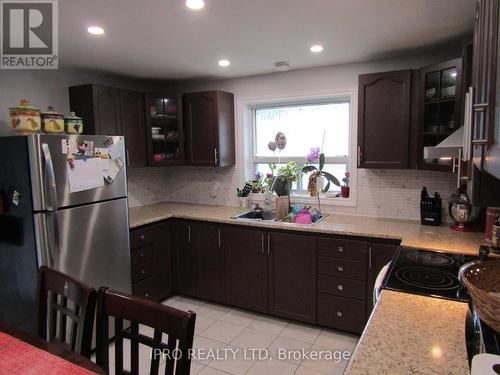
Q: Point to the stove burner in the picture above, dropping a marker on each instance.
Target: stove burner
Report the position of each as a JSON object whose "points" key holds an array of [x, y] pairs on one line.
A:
{"points": [[426, 278], [429, 259]]}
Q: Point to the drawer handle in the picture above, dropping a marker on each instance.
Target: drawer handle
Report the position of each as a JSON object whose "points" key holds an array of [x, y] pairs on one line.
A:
{"points": [[340, 268], [341, 249], [142, 237], [143, 272], [340, 287], [339, 314]]}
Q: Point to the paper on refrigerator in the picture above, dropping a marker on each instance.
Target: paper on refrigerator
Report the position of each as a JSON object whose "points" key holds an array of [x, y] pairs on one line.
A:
{"points": [[85, 175]]}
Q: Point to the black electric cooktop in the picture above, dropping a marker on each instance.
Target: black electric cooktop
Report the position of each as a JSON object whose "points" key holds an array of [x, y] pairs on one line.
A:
{"points": [[427, 273]]}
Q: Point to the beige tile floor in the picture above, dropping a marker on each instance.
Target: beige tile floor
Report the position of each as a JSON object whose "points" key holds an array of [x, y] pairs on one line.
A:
{"points": [[222, 327]]}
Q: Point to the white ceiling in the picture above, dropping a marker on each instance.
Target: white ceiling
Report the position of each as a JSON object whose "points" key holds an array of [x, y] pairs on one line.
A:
{"points": [[164, 39]]}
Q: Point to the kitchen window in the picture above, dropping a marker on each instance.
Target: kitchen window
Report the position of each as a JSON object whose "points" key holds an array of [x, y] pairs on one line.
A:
{"points": [[324, 124]]}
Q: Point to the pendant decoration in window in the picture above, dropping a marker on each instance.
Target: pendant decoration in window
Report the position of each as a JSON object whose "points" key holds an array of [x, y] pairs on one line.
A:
{"points": [[280, 140]]}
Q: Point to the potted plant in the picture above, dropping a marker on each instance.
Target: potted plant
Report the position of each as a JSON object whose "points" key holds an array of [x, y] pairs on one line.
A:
{"points": [[318, 172], [287, 174], [344, 190]]}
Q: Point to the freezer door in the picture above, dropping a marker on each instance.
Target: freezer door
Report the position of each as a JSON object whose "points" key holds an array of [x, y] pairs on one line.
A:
{"points": [[50, 186], [89, 243]]}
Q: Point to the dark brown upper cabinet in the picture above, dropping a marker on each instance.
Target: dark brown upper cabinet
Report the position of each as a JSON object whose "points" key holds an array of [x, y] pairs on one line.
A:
{"points": [[209, 127], [384, 108], [164, 130], [440, 108], [486, 103], [112, 111]]}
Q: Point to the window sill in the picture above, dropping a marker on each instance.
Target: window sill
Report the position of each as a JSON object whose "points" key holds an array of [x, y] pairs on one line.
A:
{"points": [[326, 200]]}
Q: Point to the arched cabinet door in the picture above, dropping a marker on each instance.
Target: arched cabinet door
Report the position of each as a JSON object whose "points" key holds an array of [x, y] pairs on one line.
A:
{"points": [[384, 117]]}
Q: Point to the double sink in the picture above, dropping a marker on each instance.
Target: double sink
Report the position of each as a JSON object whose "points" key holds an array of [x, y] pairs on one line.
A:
{"points": [[267, 216]]}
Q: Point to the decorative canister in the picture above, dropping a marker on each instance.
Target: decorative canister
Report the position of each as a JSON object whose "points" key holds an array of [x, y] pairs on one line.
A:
{"points": [[52, 121], [73, 124], [25, 117]]}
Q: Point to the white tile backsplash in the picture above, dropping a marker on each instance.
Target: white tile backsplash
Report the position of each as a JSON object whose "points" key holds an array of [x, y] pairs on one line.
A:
{"points": [[381, 193]]}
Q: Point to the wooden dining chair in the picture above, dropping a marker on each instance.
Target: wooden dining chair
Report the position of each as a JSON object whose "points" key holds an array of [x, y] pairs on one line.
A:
{"points": [[178, 325], [65, 310]]}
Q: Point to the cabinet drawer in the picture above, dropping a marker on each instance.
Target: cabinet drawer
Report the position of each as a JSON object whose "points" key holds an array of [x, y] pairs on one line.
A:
{"points": [[141, 254], [342, 249], [342, 268], [342, 287], [142, 271], [146, 288], [341, 313], [141, 237]]}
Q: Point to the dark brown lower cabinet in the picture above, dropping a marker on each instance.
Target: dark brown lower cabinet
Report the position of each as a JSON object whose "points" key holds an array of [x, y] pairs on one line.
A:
{"points": [[319, 280], [246, 268], [185, 257], [292, 276], [345, 314], [151, 262], [378, 256], [210, 267]]}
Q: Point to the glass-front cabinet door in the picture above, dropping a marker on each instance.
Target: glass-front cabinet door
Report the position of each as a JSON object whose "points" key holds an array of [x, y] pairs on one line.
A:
{"points": [[164, 132], [441, 108]]}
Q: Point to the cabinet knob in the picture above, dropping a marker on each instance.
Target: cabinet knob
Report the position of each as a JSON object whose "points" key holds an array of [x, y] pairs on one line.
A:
{"points": [[339, 314], [340, 287], [340, 268], [341, 249], [142, 237], [142, 255], [143, 272], [146, 295]]}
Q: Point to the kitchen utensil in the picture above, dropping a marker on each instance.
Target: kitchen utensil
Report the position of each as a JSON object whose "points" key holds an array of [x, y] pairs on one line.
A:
{"points": [[482, 280], [73, 124], [52, 121], [155, 130], [25, 117], [282, 207]]}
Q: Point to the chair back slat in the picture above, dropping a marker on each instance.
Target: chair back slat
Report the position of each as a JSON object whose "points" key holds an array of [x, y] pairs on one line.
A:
{"points": [[65, 303], [155, 362], [118, 346], [134, 348], [170, 362], [177, 325]]}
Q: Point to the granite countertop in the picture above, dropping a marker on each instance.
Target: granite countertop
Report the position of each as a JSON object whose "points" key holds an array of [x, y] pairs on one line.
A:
{"points": [[412, 334], [411, 233]]}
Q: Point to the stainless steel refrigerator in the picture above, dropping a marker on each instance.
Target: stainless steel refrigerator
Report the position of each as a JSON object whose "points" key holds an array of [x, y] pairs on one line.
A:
{"points": [[48, 220]]}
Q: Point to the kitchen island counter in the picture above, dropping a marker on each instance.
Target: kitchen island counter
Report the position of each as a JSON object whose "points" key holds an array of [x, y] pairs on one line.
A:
{"points": [[412, 334], [410, 233]]}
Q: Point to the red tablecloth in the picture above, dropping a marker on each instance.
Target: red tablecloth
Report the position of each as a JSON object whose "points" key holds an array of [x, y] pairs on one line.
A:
{"points": [[19, 357]]}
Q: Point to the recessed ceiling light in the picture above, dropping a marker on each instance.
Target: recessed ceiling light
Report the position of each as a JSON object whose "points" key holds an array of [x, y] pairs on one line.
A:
{"points": [[316, 48], [195, 4], [224, 63], [95, 30]]}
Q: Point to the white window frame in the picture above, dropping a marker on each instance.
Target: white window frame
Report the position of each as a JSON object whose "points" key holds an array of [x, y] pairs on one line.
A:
{"points": [[300, 160], [246, 112]]}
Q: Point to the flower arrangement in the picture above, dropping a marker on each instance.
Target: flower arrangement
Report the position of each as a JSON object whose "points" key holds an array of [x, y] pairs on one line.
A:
{"points": [[346, 179], [314, 155], [344, 190]]}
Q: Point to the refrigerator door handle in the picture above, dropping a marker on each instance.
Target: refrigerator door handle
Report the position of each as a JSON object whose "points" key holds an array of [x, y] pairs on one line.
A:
{"points": [[51, 177], [45, 232]]}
